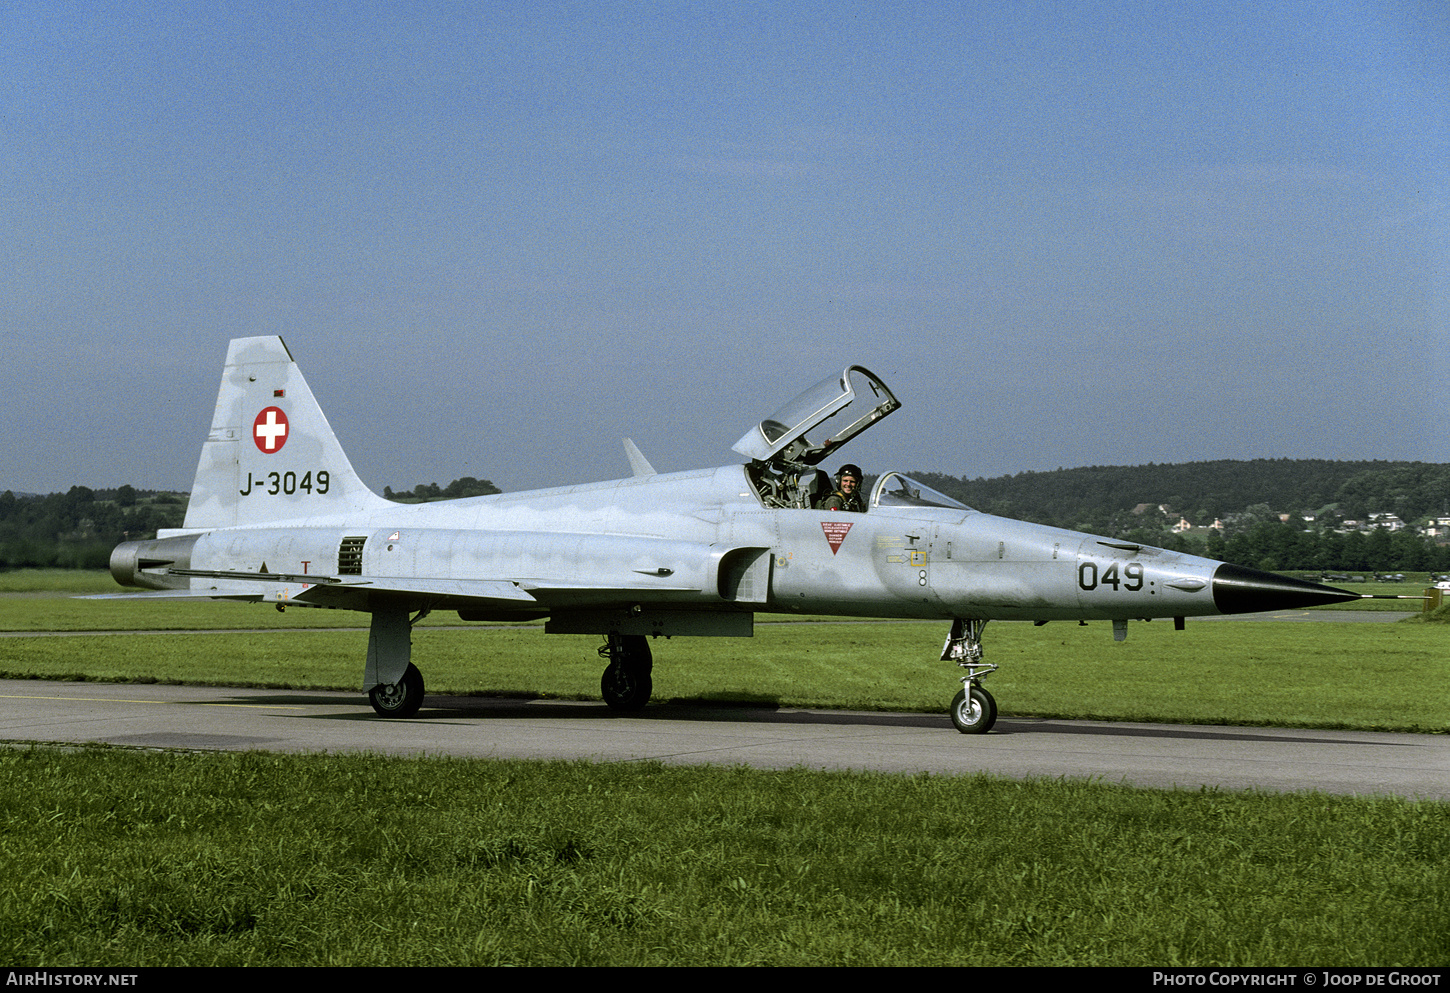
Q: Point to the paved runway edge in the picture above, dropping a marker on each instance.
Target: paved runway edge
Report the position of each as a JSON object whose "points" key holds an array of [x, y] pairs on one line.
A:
{"points": [[1415, 766]]}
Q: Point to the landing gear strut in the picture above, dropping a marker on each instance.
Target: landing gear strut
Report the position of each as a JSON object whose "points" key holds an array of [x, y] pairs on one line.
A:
{"points": [[973, 709], [626, 684], [396, 684]]}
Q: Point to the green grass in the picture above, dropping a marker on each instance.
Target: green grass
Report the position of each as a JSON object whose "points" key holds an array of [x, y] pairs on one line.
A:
{"points": [[1293, 674], [57, 581], [131, 859]]}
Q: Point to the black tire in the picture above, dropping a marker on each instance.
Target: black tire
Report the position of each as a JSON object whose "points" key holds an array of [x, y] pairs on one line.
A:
{"points": [[400, 699], [974, 713], [625, 688], [626, 684]]}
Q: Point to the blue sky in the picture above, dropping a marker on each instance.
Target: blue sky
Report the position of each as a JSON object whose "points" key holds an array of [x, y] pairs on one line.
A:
{"points": [[500, 237]]}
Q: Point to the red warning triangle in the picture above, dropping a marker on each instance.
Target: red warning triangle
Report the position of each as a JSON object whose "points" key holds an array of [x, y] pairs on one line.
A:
{"points": [[835, 533]]}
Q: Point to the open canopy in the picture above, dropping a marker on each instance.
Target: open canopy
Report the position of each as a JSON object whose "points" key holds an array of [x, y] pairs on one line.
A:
{"points": [[835, 410]]}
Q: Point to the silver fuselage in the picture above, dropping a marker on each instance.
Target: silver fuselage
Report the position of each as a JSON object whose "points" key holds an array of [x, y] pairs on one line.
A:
{"points": [[689, 544]]}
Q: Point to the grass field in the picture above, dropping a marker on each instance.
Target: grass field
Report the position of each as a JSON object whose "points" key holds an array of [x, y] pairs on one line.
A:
{"points": [[254, 859], [122, 857]]}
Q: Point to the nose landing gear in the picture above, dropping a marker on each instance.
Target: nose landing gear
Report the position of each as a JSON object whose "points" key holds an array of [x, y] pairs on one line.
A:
{"points": [[973, 709]]}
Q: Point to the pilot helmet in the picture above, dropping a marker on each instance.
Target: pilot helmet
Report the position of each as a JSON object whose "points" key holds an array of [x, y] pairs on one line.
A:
{"points": [[849, 469]]}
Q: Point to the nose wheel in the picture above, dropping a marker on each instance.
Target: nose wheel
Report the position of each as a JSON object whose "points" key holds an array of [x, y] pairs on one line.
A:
{"points": [[973, 709]]}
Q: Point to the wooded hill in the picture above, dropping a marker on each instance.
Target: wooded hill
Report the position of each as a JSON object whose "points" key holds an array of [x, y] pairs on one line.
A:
{"points": [[1248, 499], [1091, 497], [77, 529]]}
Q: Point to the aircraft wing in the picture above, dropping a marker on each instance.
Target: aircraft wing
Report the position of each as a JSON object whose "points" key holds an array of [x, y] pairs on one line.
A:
{"points": [[365, 592], [474, 594], [354, 592]]}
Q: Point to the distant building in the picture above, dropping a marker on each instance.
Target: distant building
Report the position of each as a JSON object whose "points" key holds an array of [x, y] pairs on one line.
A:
{"points": [[1185, 527]]}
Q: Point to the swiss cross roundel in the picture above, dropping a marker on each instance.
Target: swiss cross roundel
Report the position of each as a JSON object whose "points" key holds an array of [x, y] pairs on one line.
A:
{"points": [[269, 430]]}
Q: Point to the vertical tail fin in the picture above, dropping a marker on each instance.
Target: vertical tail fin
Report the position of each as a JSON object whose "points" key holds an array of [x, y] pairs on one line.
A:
{"points": [[271, 455]]}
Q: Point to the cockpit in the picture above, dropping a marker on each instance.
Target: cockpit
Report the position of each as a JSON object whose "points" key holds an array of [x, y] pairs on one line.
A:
{"points": [[783, 458]]}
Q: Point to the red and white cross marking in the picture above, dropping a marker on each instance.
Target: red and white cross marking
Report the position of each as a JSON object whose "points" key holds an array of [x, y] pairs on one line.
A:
{"points": [[269, 430]]}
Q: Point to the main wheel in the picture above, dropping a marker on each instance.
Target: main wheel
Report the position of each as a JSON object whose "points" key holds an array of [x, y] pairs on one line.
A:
{"points": [[401, 699], [625, 687], [975, 712], [626, 684]]}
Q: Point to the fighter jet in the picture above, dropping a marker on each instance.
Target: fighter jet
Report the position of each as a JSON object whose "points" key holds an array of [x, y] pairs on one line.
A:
{"points": [[277, 515]]}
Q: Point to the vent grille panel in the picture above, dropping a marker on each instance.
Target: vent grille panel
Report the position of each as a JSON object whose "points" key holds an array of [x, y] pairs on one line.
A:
{"points": [[350, 556]]}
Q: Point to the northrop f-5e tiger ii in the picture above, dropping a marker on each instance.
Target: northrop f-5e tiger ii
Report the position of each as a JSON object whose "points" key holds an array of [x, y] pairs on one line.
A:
{"points": [[278, 515]]}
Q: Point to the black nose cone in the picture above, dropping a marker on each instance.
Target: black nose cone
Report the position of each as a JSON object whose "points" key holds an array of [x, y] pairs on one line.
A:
{"points": [[1237, 590]]}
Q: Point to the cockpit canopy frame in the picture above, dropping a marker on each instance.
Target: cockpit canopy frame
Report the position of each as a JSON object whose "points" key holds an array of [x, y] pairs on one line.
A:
{"points": [[896, 489], [780, 439], [783, 459]]}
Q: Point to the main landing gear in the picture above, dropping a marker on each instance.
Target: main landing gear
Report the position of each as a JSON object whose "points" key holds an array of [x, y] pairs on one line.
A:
{"points": [[396, 684], [400, 699], [973, 709], [626, 684]]}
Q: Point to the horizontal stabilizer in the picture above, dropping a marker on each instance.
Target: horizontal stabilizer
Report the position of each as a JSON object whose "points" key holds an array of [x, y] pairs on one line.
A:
{"points": [[172, 595]]}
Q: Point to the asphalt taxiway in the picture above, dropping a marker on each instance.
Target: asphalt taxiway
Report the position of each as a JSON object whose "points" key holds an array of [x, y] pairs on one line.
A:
{"points": [[1149, 755]]}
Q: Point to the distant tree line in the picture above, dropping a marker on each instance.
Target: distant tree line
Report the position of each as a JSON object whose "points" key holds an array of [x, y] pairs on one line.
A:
{"points": [[459, 488], [1290, 546], [1247, 498], [77, 529], [1205, 491]]}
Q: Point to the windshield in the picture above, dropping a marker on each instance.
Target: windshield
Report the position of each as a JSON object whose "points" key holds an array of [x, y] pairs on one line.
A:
{"points": [[897, 490]]}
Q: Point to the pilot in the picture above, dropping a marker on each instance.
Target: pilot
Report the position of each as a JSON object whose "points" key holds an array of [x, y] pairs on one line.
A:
{"points": [[848, 491]]}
